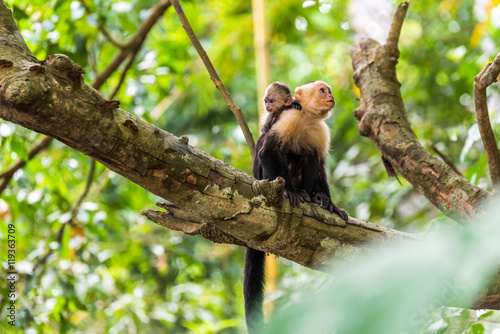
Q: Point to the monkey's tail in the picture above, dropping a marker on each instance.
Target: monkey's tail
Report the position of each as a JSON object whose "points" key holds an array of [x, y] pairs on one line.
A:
{"points": [[253, 289]]}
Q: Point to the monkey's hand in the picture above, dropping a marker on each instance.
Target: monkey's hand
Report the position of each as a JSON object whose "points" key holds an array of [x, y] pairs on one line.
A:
{"points": [[295, 197], [304, 195], [326, 203], [296, 105]]}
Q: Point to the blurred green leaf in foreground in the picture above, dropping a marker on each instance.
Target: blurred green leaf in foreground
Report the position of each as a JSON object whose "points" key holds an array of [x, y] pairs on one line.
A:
{"points": [[398, 289]]}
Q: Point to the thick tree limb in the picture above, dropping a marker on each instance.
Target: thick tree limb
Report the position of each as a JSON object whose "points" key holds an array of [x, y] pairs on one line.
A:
{"points": [[383, 119], [215, 77], [208, 197], [487, 76]]}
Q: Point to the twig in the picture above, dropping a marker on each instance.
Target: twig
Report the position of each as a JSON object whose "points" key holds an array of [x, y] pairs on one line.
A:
{"points": [[74, 211], [124, 74], [447, 160], [134, 44], [108, 36], [102, 28], [485, 78], [396, 25], [9, 173], [215, 77]]}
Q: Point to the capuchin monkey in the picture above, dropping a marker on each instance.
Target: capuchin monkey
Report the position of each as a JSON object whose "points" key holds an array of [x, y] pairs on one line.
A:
{"points": [[295, 147], [277, 98]]}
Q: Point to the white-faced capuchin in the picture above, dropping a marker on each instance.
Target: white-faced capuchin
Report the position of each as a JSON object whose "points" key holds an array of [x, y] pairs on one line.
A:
{"points": [[277, 98], [294, 147]]}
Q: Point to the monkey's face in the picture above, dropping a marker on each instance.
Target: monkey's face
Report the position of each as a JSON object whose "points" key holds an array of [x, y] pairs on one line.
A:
{"points": [[271, 104], [274, 100], [318, 97]]}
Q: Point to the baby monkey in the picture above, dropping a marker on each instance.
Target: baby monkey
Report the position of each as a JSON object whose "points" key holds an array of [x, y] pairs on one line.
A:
{"points": [[276, 99]]}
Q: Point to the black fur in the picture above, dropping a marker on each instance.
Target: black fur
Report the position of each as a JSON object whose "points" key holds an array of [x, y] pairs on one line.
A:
{"points": [[254, 272], [253, 288], [306, 180], [257, 164], [304, 173]]}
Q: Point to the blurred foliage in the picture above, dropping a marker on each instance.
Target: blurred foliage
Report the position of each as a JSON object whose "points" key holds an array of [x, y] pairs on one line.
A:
{"points": [[115, 272], [398, 289]]}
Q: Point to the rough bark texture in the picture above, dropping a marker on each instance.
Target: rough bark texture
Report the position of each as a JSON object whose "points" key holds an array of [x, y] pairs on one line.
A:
{"points": [[382, 118], [487, 76]]}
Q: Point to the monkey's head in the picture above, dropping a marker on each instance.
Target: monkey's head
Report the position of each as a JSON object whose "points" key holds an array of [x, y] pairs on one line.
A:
{"points": [[316, 96], [277, 95]]}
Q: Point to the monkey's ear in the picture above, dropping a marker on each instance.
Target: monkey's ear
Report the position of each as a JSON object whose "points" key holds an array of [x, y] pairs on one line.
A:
{"points": [[298, 93], [288, 100]]}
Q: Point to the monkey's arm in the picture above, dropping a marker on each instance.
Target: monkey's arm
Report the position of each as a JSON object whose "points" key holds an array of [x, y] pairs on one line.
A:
{"points": [[275, 163], [257, 163], [322, 196], [296, 105]]}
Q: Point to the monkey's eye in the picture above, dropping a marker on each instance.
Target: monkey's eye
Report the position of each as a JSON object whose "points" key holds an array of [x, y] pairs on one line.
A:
{"points": [[322, 90], [265, 100], [271, 101]]}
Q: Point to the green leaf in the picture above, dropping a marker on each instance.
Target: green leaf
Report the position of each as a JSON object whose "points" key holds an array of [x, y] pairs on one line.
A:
{"points": [[485, 315], [476, 329]]}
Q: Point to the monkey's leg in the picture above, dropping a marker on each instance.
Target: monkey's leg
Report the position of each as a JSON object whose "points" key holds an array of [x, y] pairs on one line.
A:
{"points": [[322, 196]]}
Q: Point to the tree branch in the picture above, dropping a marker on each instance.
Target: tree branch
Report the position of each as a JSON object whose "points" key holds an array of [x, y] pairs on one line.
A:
{"points": [[102, 28], [131, 48], [297, 235], [9, 173], [215, 77], [134, 44], [397, 24], [443, 156], [484, 79], [74, 211], [383, 119], [128, 65]]}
